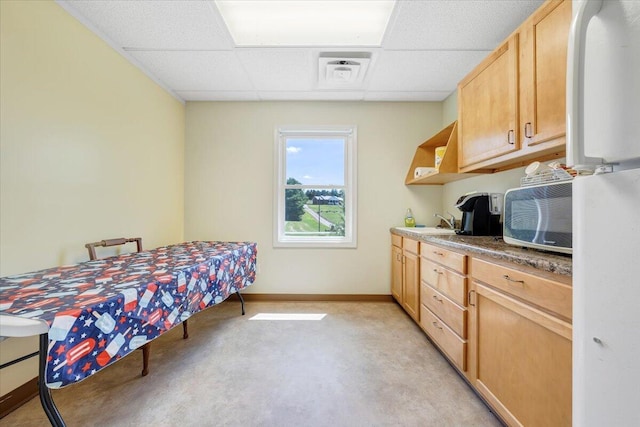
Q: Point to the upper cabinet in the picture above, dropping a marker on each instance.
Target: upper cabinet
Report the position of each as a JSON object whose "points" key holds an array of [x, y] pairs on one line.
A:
{"points": [[512, 105], [488, 107], [543, 70]]}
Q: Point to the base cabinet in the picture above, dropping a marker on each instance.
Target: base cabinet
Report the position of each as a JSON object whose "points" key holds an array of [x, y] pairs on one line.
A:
{"points": [[411, 282], [521, 356], [443, 312], [405, 274], [505, 327], [396, 271]]}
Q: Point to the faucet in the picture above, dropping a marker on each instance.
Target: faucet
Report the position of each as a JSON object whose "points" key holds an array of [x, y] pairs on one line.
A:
{"points": [[450, 222]]}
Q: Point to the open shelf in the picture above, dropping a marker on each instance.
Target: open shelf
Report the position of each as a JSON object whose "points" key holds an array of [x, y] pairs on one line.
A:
{"points": [[426, 157]]}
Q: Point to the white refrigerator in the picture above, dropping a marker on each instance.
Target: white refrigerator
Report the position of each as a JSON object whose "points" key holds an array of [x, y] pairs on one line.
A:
{"points": [[603, 127]]}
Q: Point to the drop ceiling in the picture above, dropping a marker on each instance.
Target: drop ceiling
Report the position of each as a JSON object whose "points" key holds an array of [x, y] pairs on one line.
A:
{"points": [[184, 46]]}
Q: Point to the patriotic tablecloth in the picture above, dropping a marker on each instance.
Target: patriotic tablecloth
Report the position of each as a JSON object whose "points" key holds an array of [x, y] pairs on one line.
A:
{"points": [[99, 311]]}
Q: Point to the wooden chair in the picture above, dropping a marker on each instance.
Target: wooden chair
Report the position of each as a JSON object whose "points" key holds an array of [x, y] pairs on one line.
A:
{"points": [[91, 247]]}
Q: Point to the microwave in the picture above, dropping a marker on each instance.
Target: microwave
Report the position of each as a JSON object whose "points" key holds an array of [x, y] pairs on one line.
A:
{"points": [[539, 217]]}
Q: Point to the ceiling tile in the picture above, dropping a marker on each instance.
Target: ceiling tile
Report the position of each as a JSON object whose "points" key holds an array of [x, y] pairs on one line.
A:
{"points": [[160, 25], [435, 96], [312, 96], [455, 24], [204, 95], [278, 69], [422, 70], [196, 71], [184, 45]]}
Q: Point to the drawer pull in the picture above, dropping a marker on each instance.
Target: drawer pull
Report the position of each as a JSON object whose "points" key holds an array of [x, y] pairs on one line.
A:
{"points": [[438, 253], [435, 297], [506, 276], [436, 325], [437, 271]]}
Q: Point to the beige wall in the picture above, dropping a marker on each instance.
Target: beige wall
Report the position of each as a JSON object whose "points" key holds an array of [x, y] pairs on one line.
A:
{"points": [[90, 149], [229, 187], [450, 109]]}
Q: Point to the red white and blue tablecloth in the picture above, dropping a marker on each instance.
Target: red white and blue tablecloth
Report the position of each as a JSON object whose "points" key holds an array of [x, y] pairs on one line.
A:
{"points": [[99, 311]]}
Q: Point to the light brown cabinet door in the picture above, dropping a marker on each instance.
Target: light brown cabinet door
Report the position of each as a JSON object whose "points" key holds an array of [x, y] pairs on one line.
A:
{"points": [[488, 107], [543, 67], [522, 360], [411, 297], [396, 273]]}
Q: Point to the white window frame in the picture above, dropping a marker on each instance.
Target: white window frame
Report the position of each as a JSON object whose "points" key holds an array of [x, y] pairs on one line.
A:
{"points": [[349, 240]]}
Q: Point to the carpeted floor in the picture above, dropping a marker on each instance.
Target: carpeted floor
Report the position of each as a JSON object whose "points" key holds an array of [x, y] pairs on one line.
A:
{"points": [[364, 364]]}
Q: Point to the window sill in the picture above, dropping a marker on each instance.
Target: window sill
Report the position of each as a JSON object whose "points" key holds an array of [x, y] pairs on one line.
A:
{"points": [[315, 244]]}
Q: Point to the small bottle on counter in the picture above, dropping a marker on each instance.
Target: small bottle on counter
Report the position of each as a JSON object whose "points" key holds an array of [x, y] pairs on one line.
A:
{"points": [[409, 220]]}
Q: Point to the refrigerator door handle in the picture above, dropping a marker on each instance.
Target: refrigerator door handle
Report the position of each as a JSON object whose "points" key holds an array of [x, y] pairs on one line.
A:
{"points": [[576, 158]]}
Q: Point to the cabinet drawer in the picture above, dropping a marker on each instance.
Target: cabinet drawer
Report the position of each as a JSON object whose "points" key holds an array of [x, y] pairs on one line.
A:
{"points": [[396, 240], [447, 340], [545, 293], [450, 313], [410, 245], [450, 283], [454, 260]]}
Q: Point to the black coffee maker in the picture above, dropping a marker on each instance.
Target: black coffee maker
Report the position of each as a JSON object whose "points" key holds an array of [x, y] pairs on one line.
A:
{"points": [[480, 214]]}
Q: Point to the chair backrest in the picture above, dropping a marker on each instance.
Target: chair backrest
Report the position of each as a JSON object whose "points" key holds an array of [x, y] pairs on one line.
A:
{"points": [[112, 242]]}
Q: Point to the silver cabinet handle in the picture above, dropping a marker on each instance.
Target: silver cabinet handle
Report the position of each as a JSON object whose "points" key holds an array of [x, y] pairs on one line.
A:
{"points": [[437, 272], [438, 253], [506, 276], [435, 297], [528, 130], [469, 298], [436, 325], [511, 137]]}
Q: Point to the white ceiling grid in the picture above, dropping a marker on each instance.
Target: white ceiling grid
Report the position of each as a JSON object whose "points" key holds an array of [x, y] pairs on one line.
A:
{"points": [[185, 46]]}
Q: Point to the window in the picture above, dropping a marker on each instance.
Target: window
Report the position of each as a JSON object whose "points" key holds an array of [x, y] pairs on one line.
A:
{"points": [[315, 188]]}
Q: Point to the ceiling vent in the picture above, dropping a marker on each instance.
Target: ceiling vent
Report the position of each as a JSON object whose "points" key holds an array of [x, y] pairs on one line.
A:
{"points": [[343, 69]]}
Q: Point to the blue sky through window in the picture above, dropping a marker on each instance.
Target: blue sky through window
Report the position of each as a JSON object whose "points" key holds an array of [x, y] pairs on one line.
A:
{"points": [[316, 161]]}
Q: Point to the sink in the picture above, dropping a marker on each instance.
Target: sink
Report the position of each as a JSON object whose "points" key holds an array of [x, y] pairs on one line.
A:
{"points": [[426, 230]]}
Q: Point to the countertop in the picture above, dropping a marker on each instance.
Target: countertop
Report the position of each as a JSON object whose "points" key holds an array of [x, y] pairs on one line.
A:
{"points": [[495, 247]]}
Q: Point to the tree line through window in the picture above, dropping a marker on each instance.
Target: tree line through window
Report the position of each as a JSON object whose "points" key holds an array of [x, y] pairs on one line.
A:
{"points": [[319, 212]]}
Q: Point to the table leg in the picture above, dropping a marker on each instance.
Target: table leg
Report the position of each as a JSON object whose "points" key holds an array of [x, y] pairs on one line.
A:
{"points": [[185, 332], [146, 350], [45, 394], [241, 301]]}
